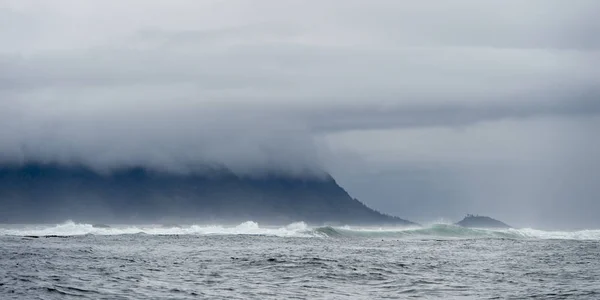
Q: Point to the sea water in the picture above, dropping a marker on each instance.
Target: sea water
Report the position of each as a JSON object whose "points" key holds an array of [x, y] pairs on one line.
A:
{"points": [[248, 261]]}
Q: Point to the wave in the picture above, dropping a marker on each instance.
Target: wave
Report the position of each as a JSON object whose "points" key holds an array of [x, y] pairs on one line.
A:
{"points": [[300, 229], [449, 231], [71, 228]]}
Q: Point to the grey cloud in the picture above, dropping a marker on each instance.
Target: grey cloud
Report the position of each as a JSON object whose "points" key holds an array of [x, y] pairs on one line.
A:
{"points": [[224, 103], [174, 141], [452, 115], [295, 76], [497, 24]]}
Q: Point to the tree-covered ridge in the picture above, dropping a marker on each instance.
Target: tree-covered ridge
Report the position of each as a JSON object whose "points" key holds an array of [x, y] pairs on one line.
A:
{"points": [[38, 193]]}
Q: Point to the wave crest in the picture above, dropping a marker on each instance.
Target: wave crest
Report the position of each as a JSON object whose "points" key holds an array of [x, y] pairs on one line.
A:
{"points": [[71, 228], [301, 229], [448, 231]]}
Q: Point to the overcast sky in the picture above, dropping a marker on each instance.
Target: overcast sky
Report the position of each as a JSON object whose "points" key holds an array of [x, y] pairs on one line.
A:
{"points": [[426, 110]]}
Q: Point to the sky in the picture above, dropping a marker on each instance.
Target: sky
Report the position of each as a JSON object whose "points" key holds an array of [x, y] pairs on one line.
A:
{"points": [[425, 110]]}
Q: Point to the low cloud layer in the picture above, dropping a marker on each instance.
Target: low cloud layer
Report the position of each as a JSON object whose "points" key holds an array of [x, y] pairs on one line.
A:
{"points": [[289, 85]]}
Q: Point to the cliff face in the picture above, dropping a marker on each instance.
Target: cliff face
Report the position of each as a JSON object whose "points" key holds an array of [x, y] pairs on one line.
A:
{"points": [[37, 193], [481, 222]]}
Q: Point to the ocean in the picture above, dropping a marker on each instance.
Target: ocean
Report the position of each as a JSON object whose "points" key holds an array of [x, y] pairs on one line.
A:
{"points": [[248, 261]]}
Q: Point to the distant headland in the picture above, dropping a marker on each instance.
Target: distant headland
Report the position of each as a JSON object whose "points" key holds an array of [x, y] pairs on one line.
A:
{"points": [[48, 193]]}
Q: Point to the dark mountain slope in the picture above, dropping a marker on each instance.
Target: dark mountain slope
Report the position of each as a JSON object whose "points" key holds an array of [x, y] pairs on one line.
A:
{"points": [[38, 193]]}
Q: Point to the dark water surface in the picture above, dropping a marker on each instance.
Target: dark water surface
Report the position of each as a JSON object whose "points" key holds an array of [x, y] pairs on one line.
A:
{"points": [[248, 266]]}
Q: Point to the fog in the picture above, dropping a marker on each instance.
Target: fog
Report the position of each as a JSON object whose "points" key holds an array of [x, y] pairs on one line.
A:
{"points": [[419, 110]]}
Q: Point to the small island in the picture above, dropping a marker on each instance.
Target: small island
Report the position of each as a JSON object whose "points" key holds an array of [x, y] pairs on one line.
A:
{"points": [[475, 221]]}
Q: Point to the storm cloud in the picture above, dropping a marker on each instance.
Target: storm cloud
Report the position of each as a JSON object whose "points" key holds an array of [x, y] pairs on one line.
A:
{"points": [[374, 92]]}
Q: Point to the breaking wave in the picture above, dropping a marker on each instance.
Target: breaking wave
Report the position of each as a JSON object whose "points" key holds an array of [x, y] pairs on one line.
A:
{"points": [[300, 229], [448, 231], [71, 228]]}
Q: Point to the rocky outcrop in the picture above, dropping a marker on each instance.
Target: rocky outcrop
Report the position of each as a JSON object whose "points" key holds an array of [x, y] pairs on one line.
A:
{"points": [[473, 221]]}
